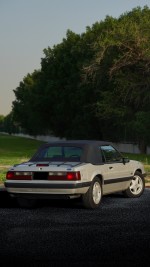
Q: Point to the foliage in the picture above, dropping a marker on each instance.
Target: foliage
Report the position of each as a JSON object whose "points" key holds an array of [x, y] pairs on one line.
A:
{"points": [[92, 86], [123, 51], [2, 123], [8, 124]]}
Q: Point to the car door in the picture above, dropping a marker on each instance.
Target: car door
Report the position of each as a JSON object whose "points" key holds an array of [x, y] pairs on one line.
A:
{"points": [[116, 172]]}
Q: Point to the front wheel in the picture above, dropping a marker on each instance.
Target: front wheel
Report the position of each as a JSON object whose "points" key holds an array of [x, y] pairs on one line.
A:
{"points": [[136, 186], [92, 198]]}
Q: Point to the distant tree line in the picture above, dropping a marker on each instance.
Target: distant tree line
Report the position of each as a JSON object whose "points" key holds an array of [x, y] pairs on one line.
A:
{"points": [[91, 86]]}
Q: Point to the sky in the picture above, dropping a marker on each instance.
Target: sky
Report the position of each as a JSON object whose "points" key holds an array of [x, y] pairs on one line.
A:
{"points": [[29, 26]]}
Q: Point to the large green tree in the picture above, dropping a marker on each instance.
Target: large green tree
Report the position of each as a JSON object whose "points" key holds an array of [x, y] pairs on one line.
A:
{"points": [[123, 51], [94, 85]]}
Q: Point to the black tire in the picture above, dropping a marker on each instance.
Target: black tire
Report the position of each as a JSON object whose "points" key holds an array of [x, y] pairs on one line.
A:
{"points": [[136, 187], [26, 203], [92, 198]]}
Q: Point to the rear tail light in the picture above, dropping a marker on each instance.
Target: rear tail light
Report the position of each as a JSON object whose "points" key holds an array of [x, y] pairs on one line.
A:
{"points": [[64, 176], [11, 175], [53, 176], [73, 176]]}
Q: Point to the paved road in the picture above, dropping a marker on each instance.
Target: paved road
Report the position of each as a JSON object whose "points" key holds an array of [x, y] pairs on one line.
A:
{"points": [[63, 233]]}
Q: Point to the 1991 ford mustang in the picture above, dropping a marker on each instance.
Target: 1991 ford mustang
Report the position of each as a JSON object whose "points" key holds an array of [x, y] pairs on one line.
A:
{"points": [[81, 168]]}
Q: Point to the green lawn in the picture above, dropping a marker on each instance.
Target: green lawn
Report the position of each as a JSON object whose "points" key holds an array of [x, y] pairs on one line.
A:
{"points": [[15, 150], [145, 159]]}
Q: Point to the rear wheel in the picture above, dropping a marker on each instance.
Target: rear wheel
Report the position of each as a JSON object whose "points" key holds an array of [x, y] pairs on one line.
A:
{"points": [[92, 198], [136, 186], [26, 203]]}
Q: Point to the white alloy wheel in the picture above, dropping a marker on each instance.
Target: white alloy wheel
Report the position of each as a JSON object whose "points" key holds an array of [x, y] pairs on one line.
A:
{"points": [[92, 198], [96, 193], [136, 185]]}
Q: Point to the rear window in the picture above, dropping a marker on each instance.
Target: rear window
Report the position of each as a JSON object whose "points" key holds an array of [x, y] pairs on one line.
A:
{"points": [[59, 153]]}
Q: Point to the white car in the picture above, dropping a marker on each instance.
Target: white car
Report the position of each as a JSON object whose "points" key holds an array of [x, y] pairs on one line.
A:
{"points": [[80, 168]]}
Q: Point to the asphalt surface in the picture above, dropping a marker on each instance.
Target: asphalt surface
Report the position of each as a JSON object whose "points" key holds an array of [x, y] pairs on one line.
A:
{"points": [[63, 233]]}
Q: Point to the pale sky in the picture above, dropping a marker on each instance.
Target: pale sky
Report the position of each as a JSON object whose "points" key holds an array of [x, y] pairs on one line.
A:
{"points": [[29, 26]]}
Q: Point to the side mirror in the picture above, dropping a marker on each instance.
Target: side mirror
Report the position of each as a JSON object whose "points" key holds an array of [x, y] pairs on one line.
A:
{"points": [[125, 160]]}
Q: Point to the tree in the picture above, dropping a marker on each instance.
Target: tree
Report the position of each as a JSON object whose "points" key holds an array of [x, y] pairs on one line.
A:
{"points": [[2, 123], [25, 107], [9, 125], [123, 51], [91, 85]]}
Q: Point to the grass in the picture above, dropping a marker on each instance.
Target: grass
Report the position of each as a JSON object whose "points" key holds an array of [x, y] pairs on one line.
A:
{"points": [[14, 150], [145, 159]]}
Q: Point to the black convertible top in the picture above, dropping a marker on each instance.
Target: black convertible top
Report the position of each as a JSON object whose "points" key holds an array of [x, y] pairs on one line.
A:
{"points": [[91, 149]]}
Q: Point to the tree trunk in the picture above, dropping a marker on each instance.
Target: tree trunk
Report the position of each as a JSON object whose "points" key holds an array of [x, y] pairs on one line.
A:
{"points": [[142, 146]]}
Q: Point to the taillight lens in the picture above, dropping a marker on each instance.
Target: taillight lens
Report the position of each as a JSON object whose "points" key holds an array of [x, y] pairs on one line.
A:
{"points": [[10, 175], [57, 176], [18, 175], [73, 176], [64, 176]]}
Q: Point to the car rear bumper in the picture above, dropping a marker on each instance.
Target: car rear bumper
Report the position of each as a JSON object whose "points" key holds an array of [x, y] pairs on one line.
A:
{"points": [[42, 188]]}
